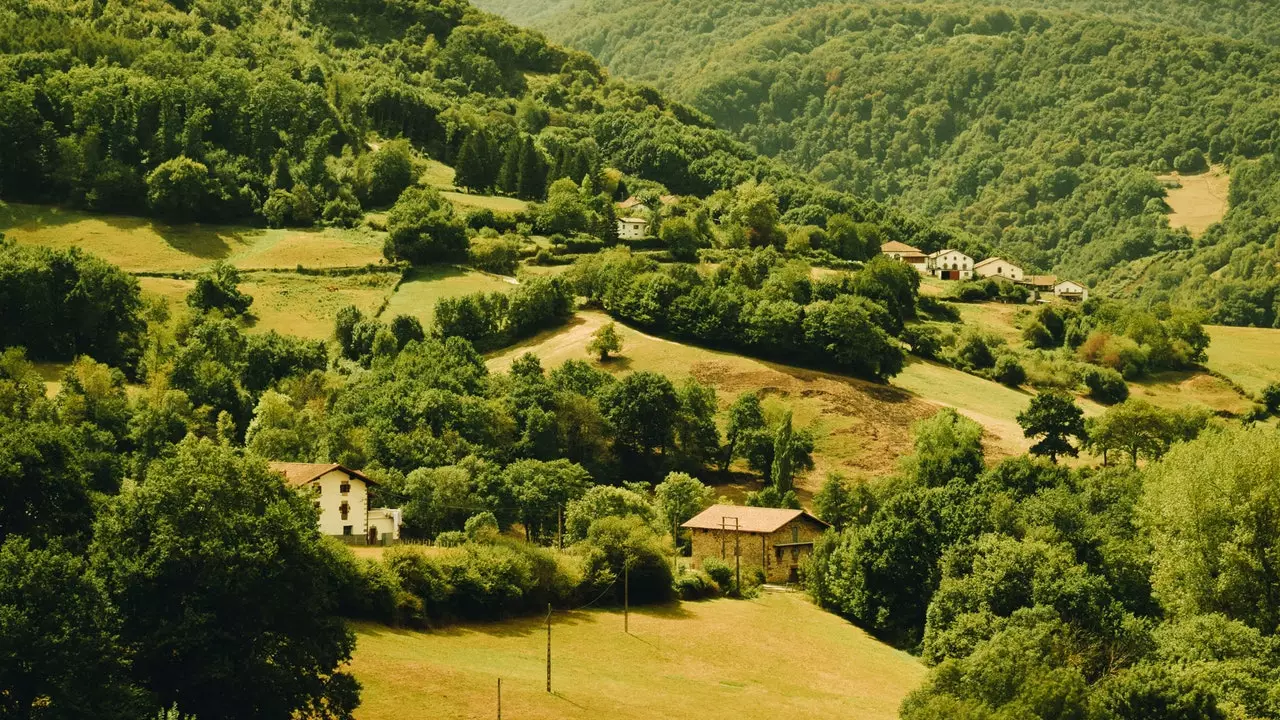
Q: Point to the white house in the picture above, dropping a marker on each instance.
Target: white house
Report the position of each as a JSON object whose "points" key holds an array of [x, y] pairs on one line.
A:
{"points": [[632, 228], [903, 252], [949, 265], [384, 525], [340, 494], [1071, 290], [998, 268]]}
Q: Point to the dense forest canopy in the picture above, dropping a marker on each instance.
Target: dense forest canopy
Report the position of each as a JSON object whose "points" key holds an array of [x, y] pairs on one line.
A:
{"points": [[1039, 130], [280, 111]]}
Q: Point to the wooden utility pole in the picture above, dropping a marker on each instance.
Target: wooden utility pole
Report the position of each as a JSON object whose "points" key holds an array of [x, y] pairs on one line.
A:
{"points": [[626, 596], [560, 527], [548, 647], [737, 546], [499, 698]]}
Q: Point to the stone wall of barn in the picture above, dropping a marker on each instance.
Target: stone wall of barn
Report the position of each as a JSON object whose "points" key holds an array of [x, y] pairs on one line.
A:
{"points": [[758, 550]]}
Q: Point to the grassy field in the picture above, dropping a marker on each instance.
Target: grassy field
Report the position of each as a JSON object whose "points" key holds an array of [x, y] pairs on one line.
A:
{"points": [[497, 203], [143, 245], [289, 303], [777, 656], [998, 318], [1200, 201], [1249, 356], [863, 428], [425, 286]]}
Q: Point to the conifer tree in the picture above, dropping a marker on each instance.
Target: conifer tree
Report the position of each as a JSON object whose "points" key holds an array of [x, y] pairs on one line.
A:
{"points": [[532, 171], [473, 168], [509, 174]]}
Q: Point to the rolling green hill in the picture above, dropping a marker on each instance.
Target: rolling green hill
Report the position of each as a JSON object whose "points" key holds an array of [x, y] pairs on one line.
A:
{"points": [[1040, 127]]}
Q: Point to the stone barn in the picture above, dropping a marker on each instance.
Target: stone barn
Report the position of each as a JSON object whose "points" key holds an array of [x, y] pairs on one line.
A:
{"points": [[776, 540]]}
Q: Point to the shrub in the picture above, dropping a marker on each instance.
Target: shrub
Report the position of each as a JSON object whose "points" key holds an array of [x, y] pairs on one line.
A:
{"points": [[613, 543], [976, 350], [1009, 371], [451, 538], [937, 309], [496, 254], [925, 341], [481, 527], [1105, 385], [720, 572], [696, 585], [1270, 398], [182, 189]]}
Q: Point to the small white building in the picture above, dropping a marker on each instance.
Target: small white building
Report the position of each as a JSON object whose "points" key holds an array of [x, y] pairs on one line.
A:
{"points": [[949, 265], [632, 228], [384, 525], [1071, 290], [339, 493], [998, 268]]}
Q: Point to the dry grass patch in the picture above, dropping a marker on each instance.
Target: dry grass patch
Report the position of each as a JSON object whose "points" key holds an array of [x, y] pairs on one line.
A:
{"points": [[863, 427], [438, 175], [1200, 201], [424, 287], [998, 318], [306, 306], [777, 656], [1249, 356], [1176, 389]]}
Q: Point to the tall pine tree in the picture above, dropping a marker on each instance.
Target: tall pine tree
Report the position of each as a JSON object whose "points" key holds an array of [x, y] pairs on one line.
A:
{"points": [[475, 168], [509, 174], [532, 183]]}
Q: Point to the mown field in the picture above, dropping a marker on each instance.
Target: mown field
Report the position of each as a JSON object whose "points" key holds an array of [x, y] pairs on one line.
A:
{"points": [[1250, 357], [143, 245], [1199, 200], [776, 656], [424, 287]]}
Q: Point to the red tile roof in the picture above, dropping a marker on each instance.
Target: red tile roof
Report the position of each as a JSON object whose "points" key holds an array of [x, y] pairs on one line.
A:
{"points": [[750, 519], [298, 474], [898, 247]]}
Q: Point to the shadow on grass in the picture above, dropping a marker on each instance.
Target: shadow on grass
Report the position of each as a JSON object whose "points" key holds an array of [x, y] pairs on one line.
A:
{"points": [[524, 626], [208, 242]]}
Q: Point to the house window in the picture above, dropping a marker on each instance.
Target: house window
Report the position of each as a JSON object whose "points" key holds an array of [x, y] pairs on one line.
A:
{"points": [[344, 488], [795, 533], [344, 508], [346, 529]]}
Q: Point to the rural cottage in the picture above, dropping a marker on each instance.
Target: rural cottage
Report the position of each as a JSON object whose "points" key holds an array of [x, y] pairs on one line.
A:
{"points": [[775, 540], [632, 228], [342, 497], [998, 268], [903, 252], [949, 265]]}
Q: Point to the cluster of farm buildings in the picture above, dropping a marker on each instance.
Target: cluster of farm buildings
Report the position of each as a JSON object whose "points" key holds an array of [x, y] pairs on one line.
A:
{"points": [[955, 265], [773, 541], [633, 224]]}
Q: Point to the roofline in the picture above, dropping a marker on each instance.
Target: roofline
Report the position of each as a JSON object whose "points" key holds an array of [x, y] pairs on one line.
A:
{"points": [[802, 513], [328, 469]]}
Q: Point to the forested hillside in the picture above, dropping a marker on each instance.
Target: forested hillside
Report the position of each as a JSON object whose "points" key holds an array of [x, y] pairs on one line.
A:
{"points": [[271, 111], [1041, 131]]}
